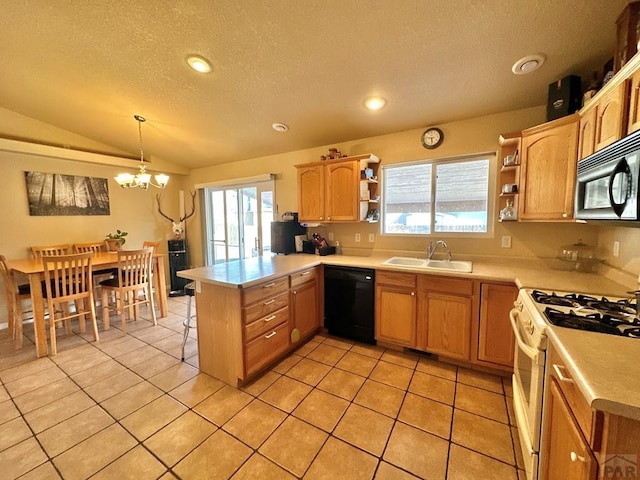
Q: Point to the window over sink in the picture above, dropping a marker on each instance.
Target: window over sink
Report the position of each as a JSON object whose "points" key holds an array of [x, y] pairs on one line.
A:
{"points": [[441, 196]]}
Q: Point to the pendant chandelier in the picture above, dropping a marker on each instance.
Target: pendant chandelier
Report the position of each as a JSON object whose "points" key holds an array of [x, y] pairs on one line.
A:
{"points": [[142, 179]]}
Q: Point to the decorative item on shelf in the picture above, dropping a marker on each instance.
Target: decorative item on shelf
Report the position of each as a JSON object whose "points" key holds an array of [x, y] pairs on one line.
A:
{"points": [[142, 179], [178, 229], [509, 188], [116, 240], [510, 160], [627, 34], [607, 71], [508, 212], [333, 154], [565, 97], [591, 90], [373, 215]]}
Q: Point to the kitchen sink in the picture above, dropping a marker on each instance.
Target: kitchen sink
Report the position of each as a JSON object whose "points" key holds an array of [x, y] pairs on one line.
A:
{"points": [[423, 263]]}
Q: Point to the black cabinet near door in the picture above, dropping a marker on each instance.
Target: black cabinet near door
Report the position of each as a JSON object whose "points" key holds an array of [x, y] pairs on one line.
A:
{"points": [[178, 260]]}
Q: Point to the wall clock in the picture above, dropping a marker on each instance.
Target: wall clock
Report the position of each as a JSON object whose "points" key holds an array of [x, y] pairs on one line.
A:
{"points": [[432, 138]]}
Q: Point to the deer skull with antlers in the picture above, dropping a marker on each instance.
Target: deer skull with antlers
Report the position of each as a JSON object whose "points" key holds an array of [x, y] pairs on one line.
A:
{"points": [[178, 229]]}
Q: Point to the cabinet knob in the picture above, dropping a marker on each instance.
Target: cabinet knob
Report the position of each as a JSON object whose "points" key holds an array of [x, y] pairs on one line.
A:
{"points": [[328, 218], [413, 294], [564, 215], [321, 218], [576, 458]]}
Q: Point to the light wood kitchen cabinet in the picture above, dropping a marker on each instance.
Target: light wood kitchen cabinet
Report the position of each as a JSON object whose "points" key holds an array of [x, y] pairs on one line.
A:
{"points": [[509, 146], [587, 134], [305, 304], [330, 191], [395, 307], [444, 316], [634, 103], [496, 341], [611, 117], [548, 170]]}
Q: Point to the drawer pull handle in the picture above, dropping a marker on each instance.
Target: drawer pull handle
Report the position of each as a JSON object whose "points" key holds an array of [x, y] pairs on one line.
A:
{"points": [[306, 273], [269, 285], [268, 319], [269, 302], [563, 378], [576, 458], [271, 334]]}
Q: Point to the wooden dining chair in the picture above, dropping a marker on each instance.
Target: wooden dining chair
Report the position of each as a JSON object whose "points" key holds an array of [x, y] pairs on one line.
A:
{"points": [[39, 252], [150, 244], [68, 279], [98, 275], [16, 294], [133, 279]]}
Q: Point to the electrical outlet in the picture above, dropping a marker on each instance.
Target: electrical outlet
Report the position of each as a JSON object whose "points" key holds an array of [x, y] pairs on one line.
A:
{"points": [[357, 237], [372, 237], [616, 248], [506, 241], [330, 235]]}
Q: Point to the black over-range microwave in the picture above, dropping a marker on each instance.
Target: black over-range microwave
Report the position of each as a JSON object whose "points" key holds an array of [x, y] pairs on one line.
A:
{"points": [[607, 182]]}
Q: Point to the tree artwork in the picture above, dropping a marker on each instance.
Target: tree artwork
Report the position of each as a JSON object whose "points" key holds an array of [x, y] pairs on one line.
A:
{"points": [[52, 194]]}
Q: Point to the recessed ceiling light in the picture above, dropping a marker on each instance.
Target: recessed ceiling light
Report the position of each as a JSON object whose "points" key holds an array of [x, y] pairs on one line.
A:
{"points": [[199, 63], [279, 127], [374, 103], [528, 64]]}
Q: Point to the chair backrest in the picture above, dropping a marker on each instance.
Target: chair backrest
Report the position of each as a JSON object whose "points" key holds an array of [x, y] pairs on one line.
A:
{"points": [[8, 277], [89, 247], [134, 267], [50, 250], [68, 276], [150, 244]]}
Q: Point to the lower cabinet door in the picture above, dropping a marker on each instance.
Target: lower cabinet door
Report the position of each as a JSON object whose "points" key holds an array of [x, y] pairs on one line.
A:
{"points": [[260, 351], [304, 308], [396, 315], [447, 319]]}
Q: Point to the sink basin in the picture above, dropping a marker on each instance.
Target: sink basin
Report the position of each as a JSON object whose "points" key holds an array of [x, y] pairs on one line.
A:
{"points": [[424, 264]]}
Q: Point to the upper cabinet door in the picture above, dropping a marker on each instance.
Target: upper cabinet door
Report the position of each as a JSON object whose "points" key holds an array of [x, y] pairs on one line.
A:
{"points": [[548, 170], [342, 202], [587, 134], [634, 103], [311, 186], [611, 117]]}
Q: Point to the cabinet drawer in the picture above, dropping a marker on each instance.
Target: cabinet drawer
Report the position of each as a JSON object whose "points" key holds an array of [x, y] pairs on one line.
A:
{"points": [[585, 416], [446, 284], [304, 276], [266, 306], [392, 278], [265, 290], [262, 350], [265, 324]]}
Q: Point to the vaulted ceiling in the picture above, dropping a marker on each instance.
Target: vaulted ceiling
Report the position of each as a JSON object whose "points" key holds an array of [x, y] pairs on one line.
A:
{"points": [[89, 66]]}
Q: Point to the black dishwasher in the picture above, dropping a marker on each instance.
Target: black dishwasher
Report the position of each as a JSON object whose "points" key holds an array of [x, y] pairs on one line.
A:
{"points": [[349, 302]]}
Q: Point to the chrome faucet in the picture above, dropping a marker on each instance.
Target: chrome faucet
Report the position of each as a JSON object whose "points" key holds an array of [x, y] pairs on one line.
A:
{"points": [[431, 249]]}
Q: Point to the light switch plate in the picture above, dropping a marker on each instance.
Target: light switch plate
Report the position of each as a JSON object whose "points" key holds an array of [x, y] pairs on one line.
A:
{"points": [[372, 237], [357, 237], [330, 235], [616, 248], [506, 241]]}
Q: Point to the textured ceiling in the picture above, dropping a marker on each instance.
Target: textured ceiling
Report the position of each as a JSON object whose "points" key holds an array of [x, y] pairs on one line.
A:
{"points": [[88, 66]]}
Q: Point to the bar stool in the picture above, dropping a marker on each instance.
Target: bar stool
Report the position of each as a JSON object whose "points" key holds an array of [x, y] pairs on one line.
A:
{"points": [[190, 291]]}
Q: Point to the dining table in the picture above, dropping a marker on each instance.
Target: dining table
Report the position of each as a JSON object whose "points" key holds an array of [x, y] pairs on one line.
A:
{"points": [[34, 270]]}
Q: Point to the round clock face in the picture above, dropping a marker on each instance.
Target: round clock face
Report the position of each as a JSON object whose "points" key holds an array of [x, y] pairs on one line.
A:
{"points": [[432, 138]]}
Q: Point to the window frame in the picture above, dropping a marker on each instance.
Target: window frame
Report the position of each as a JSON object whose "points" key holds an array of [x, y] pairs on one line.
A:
{"points": [[491, 195]]}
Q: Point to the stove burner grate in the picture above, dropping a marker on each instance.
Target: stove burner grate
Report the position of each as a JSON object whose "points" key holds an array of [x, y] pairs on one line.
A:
{"points": [[594, 322]]}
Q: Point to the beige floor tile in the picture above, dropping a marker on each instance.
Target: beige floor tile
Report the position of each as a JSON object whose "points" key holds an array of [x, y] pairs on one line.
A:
{"points": [[507, 386], [155, 365], [74, 430], [307, 348], [437, 368], [177, 439], [380, 397], [482, 402], [372, 351], [487, 381], [4, 395], [99, 372], [285, 393], [465, 464], [321, 409], [426, 414], [294, 445], [515, 438], [327, 354], [58, 411], [365, 429], [8, 411], [21, 458], [260, 384], [339, 342], [152, 334], [286, 363], [96, 452], [35, 380], [483, 435], [391, 374], [222, 405], [255, 422], [171, 344], [218, 457], [77, 361], [136, 463], [353, 464], [433, 387], [46, 471], [116, 348], [13, 432], [45, 394], [137, 356], [12, 374], [356, 363], [111, 386], [308, 371], [342, 384], [195, 390], [131, 399], [387, 471], [152, 417], [418, 452], [408, 360], [522, 474], [174, 376], [258, 467]]}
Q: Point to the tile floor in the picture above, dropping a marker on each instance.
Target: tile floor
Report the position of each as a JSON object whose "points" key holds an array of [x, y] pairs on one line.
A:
{"points": [[127, 407]]}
